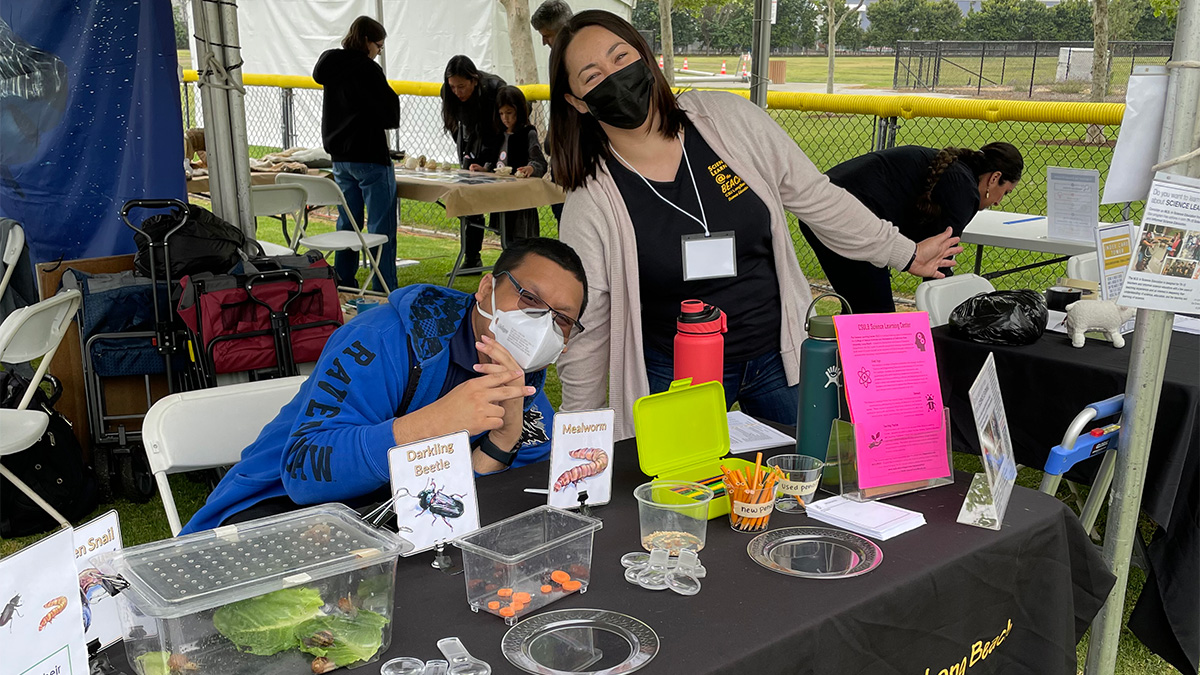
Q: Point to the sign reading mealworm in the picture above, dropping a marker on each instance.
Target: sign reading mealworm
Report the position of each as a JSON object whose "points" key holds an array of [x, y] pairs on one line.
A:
{"points": [[581, 458]]}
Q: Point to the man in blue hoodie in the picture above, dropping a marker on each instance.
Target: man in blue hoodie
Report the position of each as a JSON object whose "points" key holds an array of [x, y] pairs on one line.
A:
{"points": [[432, 361]]}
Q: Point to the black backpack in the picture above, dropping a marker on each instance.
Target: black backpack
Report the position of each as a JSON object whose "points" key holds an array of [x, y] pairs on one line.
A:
{"points": [[53, 467], [205, 243]]}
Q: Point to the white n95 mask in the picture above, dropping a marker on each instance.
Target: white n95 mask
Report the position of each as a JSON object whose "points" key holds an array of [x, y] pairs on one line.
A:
{"points": [[534, 341]]}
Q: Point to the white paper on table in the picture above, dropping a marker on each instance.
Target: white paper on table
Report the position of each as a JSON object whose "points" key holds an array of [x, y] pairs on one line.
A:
{"points": [[1141, 133], [1072, 203], [101, 620], [581, 458], [45, 632], [873, 519], [1114, 249], [433, 488], [1164, 273], [747, 434]]}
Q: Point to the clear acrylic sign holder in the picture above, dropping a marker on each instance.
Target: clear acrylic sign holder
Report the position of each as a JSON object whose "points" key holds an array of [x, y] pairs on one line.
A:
{"points": [[840, 476]]}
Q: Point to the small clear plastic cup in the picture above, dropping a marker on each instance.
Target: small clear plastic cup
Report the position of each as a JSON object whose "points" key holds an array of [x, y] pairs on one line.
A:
{"points": [[673, 515]]}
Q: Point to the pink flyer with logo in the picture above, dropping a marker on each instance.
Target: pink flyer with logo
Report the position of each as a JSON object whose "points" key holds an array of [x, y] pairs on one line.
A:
{"points": [[891, 381]]}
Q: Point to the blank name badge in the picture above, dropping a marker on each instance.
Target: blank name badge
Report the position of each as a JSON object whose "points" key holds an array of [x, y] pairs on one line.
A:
{"points": [[709, 256]]}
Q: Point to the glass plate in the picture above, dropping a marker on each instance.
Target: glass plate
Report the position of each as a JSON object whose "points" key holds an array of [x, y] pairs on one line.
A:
{"points": [[580, 642], [815, 552]]}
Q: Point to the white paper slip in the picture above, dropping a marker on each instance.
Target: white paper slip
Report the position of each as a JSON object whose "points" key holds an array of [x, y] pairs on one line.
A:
{"points": [[873, 519], [747, 434]]}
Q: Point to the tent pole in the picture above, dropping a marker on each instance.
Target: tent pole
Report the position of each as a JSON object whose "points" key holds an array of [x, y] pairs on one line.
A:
{"points": [[236, 107], [761, 45], [1151, 343]]}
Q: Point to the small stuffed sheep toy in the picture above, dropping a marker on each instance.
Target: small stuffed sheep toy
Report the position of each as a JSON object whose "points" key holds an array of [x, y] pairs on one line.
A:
{"points": [[1102, 315]]}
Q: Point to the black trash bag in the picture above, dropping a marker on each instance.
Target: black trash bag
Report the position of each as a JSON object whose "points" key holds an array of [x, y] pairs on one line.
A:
{"points": [[206, 243], [1001, 318]]}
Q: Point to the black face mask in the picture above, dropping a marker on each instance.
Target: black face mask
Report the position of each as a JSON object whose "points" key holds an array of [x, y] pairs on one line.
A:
{"points": [[622, 100]]}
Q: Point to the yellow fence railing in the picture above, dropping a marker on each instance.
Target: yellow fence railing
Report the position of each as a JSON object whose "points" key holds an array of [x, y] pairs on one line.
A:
{"points": [[906, 107]]}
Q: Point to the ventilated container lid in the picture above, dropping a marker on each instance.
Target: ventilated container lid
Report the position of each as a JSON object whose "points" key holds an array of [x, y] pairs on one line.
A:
{"points": [[181, 576]]}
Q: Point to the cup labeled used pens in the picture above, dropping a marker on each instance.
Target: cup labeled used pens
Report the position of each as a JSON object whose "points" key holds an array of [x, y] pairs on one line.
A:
{"points": [[801, 476]]}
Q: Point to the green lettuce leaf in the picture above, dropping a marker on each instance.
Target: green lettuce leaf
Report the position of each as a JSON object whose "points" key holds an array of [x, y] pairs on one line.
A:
{"points": [[154, 663], [266, 625], [353, 639]]}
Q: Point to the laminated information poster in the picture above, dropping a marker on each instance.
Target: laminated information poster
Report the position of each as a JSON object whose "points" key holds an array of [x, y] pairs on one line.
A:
{"points": [[41, 623], [987, 499], [895, 399], [1114, 250], [1165, 271], [581, 458], [101, 620], [433, 490], [1072, 203]]}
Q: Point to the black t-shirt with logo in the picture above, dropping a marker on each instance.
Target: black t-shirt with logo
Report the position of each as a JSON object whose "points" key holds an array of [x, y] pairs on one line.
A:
{"points": [[751, 299]]}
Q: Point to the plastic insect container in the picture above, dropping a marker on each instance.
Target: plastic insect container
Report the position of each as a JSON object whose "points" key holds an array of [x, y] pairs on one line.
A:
{"points": [[302, 592], [518, 565]]}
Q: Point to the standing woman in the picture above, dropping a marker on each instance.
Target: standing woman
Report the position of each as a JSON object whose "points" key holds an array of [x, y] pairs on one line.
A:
{"points": [[470, 116], [920, 190], [359, 105], [648, 174]]}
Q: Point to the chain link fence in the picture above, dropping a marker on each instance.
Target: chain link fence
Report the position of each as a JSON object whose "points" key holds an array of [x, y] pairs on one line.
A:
{"points": [[277, 118]]}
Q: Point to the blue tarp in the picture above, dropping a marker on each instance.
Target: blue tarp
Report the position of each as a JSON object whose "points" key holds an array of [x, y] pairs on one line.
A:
{"points": [[89, 119]]}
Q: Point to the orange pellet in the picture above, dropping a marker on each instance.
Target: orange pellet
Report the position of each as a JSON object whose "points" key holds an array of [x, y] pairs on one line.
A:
{"points": [[517, 606], [504, 592], [522, 597], [560, 576], [507, 611], [494, 605], [547, 588], [572, 585]]}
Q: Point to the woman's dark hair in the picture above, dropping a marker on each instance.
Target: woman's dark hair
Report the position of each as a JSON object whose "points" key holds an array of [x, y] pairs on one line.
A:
{"points": [[510, 95], [454, 111], [998, 156], [363, 32], [577, 143], [551, 249]]}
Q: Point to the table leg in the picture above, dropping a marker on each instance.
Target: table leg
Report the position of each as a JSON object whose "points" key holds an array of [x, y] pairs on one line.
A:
{"points": [[978, 259], [462, 235]]}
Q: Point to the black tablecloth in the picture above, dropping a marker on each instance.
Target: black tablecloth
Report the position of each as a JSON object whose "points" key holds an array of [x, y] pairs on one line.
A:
{"points": [[1045, 385], [939, 591]]}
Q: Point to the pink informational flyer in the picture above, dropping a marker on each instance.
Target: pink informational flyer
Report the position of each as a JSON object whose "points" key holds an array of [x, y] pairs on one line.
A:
{"points": [[895, 400]]}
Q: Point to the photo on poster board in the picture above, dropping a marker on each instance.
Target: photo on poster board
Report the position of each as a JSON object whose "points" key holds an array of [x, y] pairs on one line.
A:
{"points": [[1164, 273], [987, 498], [39, 600], [433, 490], [581, 457], [101, 618]]}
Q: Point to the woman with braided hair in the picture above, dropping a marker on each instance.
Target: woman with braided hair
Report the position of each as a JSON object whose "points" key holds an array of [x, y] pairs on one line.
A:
{"points": [[922, 191]]}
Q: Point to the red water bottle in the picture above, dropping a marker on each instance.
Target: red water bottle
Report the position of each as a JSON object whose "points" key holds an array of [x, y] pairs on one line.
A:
{"points": [[699, 345]]}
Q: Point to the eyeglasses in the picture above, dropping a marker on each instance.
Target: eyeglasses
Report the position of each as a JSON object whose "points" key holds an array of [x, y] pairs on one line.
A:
{"points": [[534, 306]]}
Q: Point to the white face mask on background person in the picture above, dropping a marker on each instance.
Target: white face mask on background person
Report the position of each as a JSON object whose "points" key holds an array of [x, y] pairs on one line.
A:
{"points": [[534, 341]]}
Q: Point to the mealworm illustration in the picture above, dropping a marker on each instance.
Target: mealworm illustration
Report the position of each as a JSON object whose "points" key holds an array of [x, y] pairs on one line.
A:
{"points": [[597, 462], [56, 606]]}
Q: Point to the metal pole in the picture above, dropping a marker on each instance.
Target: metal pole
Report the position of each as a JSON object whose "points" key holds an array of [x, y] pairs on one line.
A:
{"points": [[1033, 70], [216, 115], [285, 117], [982, 54], [761, 46], [239, 145], [1003, 63], [1147, 365]]}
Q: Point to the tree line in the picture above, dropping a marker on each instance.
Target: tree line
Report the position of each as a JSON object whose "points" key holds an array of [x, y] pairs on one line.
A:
{"points": [[726, 25]]}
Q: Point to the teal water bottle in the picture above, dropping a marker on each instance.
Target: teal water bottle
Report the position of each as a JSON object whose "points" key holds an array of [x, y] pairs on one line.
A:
{"points": [[820, 381]]}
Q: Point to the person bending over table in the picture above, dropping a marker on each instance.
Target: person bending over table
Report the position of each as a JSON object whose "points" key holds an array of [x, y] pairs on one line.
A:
{"points": [[920, 190], [427, 364], [644, 172], [358, 107], [469, 115]]}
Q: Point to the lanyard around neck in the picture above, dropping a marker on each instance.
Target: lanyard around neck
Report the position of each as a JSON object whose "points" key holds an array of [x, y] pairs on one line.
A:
{"points": [[703, 219]]}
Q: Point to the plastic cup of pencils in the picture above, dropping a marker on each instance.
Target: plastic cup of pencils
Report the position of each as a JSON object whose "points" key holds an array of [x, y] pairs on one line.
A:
{"points": [[673, 514], [751, 507], [801, 476]]}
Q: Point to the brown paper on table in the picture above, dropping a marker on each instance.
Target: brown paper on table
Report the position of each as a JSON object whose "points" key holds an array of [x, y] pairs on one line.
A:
{"points": [[196, 185], [463, 199]]}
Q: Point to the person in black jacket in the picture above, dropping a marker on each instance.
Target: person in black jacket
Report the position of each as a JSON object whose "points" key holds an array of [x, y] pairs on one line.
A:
{"points": [[922, 191], [359, 105], [470, 116], [521, 151]]}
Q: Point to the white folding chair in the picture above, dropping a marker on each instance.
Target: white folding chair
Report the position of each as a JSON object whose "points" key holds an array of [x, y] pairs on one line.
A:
{"points": [[12, 253], [939, 297], [324, 192], [208, 428], [279, 200], [1085, 267], [26, 334]]}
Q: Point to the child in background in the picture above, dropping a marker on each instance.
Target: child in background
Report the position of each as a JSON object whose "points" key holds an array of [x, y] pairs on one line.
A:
{"points": [[522, 151]]}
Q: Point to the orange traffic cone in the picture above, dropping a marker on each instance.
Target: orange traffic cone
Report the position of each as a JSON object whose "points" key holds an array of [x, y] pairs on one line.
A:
{"points": [[685, 66], [660, 61], [723, 67]]}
